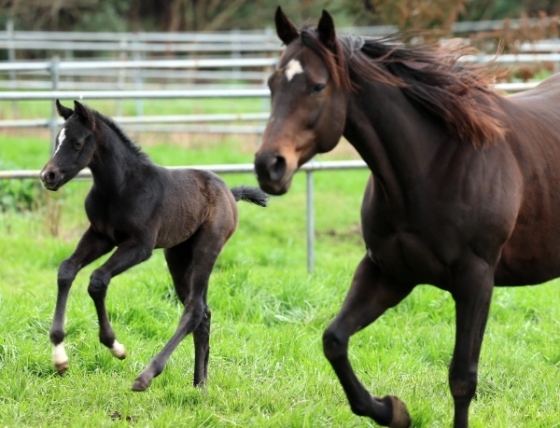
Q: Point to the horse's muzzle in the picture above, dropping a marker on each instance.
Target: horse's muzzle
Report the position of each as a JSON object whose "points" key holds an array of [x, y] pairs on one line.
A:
{"points": [[51, 178], [271, 169]]}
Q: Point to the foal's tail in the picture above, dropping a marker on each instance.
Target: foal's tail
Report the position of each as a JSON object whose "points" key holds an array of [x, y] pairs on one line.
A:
{"points": [[250, 194]]}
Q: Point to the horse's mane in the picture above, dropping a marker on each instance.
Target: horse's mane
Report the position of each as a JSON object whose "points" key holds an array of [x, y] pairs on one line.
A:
{"points": [[128, 142], [430, 75]]}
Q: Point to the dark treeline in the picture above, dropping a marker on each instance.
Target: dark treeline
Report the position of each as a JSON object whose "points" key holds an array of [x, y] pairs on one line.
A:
{"points": [[213, 15]]}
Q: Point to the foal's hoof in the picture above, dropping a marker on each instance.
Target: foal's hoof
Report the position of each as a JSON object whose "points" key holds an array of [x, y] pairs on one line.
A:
{"points": [[118, 350], [140, 385], [401, 418], [61, 367]]}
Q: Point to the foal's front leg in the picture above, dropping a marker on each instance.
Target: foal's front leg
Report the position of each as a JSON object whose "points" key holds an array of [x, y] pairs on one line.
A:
{"points": [[91, 247], [370, 295], [128, 254]]}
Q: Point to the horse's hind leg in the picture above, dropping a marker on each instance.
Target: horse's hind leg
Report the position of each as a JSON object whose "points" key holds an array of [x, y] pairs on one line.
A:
{"points": [[91, 247], [190, 264], [370, 294]]}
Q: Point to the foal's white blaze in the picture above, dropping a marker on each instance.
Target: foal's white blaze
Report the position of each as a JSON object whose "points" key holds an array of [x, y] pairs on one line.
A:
{"points": [[118, 350], [61, 138], [60, 359], [293, 68]]}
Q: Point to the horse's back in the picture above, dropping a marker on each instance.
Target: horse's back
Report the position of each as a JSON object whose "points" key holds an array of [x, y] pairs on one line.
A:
{"points": [[532, 253], [550, 87]]}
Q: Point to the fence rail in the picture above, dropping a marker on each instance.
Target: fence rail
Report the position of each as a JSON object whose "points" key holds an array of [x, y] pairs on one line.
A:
{"points": [[218, 69]]}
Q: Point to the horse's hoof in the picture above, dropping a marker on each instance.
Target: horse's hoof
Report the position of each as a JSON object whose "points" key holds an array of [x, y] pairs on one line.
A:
{"points": [[140, 385], [61, 367], [401, 418]]}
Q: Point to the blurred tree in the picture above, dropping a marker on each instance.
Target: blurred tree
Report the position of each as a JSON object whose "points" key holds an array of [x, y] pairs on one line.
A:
{"points": [[211, 15]]}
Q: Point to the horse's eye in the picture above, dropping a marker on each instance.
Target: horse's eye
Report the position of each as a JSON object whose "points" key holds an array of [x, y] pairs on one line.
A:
{"points": [[318, 88], [77, 144]]}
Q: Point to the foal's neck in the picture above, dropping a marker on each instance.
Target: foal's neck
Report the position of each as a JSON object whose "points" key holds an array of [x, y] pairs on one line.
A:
{"points": [[116, 160]]}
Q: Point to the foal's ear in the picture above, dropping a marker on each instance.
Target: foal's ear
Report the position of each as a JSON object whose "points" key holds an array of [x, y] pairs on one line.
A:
{"points": [[64, 112], [287, 32], [84, 113], [325, 30]]}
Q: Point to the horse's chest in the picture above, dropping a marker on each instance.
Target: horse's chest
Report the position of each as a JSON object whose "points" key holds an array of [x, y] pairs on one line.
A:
{"points": [[404, 256]]}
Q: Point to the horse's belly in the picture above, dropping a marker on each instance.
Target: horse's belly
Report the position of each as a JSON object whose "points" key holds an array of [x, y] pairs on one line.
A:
{"points": [[533, 263]]}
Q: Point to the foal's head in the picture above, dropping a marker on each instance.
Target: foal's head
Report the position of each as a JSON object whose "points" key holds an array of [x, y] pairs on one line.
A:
{"points": [[309, 95], [75, 145]]}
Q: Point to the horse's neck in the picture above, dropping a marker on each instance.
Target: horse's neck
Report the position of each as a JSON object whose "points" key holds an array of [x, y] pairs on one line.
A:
{"points": [[114, 162], [395, 139]]}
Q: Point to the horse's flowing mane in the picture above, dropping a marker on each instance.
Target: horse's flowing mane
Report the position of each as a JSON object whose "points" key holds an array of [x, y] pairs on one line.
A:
{"points": [[128, 142], [430, 75]]}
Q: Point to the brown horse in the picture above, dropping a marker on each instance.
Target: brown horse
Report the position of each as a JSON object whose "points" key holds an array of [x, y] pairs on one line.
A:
{"points": [[464, 186]]}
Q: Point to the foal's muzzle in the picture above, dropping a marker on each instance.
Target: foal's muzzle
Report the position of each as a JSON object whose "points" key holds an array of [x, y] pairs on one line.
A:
{"points": [[271, 173], [51, 177]]}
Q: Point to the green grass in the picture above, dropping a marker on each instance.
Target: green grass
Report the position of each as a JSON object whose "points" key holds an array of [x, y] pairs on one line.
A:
{"points": [[42, 109], [266, 368]]}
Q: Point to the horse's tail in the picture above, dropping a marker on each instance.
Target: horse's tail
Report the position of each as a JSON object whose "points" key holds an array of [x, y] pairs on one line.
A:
{"points": [[250, 194]]}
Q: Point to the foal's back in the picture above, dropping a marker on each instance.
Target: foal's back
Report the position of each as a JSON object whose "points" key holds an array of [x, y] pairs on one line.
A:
{"points": [[191, 198]]}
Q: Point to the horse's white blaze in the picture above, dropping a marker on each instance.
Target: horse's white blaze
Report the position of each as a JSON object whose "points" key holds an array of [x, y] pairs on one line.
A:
{"points": [[293, 68], [61, 138], [118, 350], [59, 355]]}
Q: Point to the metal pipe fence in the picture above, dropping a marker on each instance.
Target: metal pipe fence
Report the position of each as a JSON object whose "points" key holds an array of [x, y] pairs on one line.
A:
{"points": [[57, 68]]}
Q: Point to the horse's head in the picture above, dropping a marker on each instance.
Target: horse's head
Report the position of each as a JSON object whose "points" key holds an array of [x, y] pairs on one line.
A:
{"points": [[308, 93], [74, 146]]}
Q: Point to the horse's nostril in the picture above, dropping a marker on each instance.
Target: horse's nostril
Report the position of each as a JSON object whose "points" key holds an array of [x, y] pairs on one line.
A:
{"points": [[277, 167]]}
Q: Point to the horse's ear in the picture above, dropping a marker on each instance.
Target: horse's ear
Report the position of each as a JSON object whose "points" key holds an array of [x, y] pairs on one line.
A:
{"points": [[64, 112], [84, 113], [287, 32], [325, 30]]}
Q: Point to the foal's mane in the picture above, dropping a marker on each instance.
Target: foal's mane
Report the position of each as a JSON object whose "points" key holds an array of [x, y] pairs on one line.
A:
{"points": [[430, 75], [128, 142]]}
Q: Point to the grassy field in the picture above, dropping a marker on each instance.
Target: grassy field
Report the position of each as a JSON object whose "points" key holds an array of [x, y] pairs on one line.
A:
{"points": [[266, 364]]}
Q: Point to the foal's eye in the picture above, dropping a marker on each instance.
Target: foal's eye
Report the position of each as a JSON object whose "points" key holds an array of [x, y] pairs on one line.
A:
{"points": [[318, 88], [77, 144]]}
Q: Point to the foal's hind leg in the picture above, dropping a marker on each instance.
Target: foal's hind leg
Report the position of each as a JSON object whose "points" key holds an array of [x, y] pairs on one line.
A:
{"points": [[190, 265], [91, 247], [369, 296]]}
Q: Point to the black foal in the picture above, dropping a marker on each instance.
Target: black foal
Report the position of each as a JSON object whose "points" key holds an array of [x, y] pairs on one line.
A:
{"points": [[136, 206]]}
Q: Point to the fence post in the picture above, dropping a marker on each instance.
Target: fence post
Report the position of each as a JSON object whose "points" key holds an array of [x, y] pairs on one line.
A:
{"points": [[55, 71], [12, 58], [235, 53], [121, 76], [310, 222], [138, 74]]}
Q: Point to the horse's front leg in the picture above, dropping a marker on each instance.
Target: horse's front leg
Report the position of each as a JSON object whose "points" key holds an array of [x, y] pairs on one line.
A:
{"points": [[91, 247], [128, 254], [369, 296], [472, 292]]}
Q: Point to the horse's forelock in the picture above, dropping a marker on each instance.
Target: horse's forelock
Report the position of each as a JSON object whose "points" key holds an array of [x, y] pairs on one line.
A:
{"points": [[334, 61]]}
